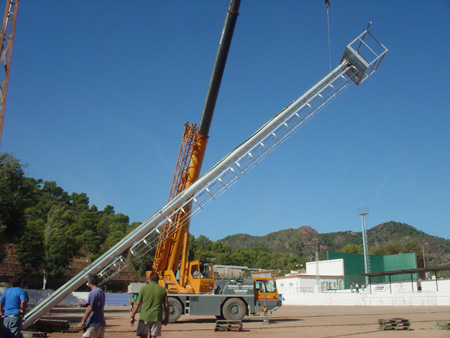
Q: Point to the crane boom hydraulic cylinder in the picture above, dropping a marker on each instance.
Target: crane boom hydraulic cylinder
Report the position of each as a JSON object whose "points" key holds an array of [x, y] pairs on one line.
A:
{"points": [[219, 67]]}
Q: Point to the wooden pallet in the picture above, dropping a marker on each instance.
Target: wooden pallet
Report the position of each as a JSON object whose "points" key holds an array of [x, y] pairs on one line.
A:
{"points": [[27, 334], [228, 325], [443, 325], [394, 324], [51, 325]]}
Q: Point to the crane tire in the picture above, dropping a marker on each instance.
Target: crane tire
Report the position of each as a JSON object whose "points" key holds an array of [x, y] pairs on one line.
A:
{"points": [[234, 309], [175, 309]]}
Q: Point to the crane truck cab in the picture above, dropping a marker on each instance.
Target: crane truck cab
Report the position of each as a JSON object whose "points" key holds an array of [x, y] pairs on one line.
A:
{"points": [[198, 279], [201, 276]]}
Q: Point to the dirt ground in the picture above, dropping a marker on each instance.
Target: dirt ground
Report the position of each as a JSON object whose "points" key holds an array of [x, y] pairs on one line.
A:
{"points": [[288, 321]]}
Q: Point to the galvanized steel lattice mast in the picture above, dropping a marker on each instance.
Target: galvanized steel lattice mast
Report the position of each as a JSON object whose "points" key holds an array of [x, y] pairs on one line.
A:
{"points": [[361, 59]]}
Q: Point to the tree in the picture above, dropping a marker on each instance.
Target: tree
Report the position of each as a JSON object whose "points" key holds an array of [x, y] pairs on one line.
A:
{"points": [[202, 248], [395, 247], [46, 247], [15, 196], [31, 248], [352, 248], [55, 192], [115, 226], [80, 201], [57, 248]]}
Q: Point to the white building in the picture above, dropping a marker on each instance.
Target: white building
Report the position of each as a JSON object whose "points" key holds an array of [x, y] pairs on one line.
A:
{"points": [[319, 276]]}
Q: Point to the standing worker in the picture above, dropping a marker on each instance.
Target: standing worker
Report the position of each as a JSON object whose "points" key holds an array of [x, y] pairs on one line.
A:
{"points": [[93, 322], [152, 298], [13, 306]]}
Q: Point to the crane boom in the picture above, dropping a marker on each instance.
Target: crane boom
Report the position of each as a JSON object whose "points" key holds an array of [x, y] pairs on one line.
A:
{"points": [[361, 59], [7, 36], [164, 249], [173, 248]]}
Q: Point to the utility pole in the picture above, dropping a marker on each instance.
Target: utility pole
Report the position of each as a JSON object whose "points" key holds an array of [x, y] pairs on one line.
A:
{"points": [[363, 212], [424, 256]]}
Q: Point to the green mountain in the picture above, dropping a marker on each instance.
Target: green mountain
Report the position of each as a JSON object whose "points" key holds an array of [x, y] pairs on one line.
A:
{"points": [[386, 238]]}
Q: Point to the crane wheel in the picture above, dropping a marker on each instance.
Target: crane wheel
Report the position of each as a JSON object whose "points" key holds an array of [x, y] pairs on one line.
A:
{"points": [[175, 309], [234, 309]]}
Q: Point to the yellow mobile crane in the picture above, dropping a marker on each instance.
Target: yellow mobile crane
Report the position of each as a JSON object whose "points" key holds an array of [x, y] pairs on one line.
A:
{"points": [[181, 278]]}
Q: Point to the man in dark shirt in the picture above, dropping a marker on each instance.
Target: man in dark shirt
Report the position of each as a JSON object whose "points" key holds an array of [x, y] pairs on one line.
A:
{"points": [[93, 322]]}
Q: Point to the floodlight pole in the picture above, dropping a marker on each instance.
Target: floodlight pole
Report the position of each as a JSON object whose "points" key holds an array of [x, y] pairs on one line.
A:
{"points": [[363, 212], [318, 289]]}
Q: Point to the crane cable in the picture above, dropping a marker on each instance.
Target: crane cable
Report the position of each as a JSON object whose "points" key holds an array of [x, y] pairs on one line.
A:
{"points": [[327, 5]]}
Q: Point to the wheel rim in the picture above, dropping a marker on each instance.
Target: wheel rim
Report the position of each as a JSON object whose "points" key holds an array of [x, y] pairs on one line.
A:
{"points": [[234, 310]]}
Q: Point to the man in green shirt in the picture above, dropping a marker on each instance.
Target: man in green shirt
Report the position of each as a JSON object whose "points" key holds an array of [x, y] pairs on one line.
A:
{"points": [[152, 298]]}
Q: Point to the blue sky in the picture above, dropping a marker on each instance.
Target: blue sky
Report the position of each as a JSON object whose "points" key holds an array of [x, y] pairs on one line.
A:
{"points": [[99, 92]]}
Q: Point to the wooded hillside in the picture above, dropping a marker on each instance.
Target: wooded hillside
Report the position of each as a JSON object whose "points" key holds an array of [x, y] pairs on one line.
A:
{"points": [[384, 239]]}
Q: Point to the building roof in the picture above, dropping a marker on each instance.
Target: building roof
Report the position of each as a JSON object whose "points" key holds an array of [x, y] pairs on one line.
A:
{"points": [[399, 272], [309, 276]]}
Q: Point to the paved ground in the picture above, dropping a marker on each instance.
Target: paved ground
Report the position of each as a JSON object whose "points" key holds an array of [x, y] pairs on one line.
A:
{"points": [[288, 321]]}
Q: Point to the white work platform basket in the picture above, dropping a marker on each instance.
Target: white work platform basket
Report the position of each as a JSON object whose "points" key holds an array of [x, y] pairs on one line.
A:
{"points": [[365, 53]]}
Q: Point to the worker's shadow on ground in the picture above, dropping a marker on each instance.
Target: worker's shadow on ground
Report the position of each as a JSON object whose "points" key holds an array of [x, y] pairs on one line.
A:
{"points": [[245, 321], [61, 311], [74, 314]]}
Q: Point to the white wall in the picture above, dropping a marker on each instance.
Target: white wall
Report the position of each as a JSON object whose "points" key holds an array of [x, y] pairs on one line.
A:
{"points": [[381, 299], [398, 294], [397, 287], [303, 283], [332, 267], [440, 285]]}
